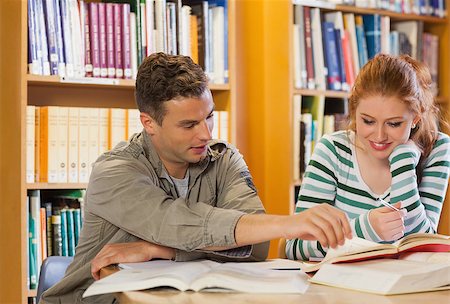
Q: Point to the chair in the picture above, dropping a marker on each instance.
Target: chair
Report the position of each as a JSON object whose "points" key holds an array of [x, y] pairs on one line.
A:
{"points": [[281, 248], [52, 271]]}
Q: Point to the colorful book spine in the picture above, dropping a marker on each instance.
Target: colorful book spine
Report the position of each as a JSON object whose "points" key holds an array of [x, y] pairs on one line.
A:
{"points": [[77, 224], [88, 67], [48, 222], [59, 40], [126, 47], [70, 232], [35, 54], [118, 40], [331, 56], [94, 32], [308, 48], [372, 28], [67, 37], [110, 60], [102, 38], [64, 234], [57, 235]]}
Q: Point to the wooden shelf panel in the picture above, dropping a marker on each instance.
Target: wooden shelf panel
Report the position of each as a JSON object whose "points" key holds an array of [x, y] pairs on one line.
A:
{"points": [[52, 186], [110, 83], [326, 6], [326, 93]]}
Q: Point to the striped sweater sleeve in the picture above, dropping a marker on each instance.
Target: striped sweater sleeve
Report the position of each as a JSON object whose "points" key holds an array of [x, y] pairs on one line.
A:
{"points": [[423, 202], [318, 186]]}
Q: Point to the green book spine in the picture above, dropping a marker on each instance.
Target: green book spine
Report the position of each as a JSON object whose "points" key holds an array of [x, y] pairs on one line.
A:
{"points": [[32, 254], [64, 238], [77, 224], [70, 232]]}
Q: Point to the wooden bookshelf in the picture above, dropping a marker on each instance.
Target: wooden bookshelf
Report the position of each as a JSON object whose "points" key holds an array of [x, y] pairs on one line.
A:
{"points": [[17, 90], [267, 88]]}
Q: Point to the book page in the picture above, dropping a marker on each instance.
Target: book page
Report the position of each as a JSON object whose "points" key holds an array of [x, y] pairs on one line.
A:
{"points": [[428, 257], [251, 277], [353, 246]]}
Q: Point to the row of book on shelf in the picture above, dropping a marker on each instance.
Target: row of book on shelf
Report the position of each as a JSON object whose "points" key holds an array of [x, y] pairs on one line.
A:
{"points": [[331, 47], [435, 8], [62, 143], [76, 38], [314, 116], [54, 225]]}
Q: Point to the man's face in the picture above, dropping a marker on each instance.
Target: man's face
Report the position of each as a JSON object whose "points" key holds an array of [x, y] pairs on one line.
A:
{"points": [[382, 123], [185, 131]]}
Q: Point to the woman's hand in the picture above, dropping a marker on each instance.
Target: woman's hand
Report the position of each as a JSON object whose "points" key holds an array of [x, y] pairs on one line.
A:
{"points": [[388, 223], [139, 251]]}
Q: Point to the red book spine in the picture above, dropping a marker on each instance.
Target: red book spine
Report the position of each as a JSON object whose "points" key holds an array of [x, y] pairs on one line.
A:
{"points": [[87, 43], [95, 49], [102, 37], [110, 40], [348, 61], [126, 43], [118, 39]]}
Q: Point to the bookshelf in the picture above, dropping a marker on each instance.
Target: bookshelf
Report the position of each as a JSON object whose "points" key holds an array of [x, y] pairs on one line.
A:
{"points": [[266, 84], [17, 90]]}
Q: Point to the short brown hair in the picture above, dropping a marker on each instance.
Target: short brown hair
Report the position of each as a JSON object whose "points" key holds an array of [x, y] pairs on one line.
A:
{"points": [[163, 77]]}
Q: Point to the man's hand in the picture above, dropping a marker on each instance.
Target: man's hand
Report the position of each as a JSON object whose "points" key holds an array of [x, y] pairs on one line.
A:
{"points": [[323, 222], [139, 251], [388, 223]]}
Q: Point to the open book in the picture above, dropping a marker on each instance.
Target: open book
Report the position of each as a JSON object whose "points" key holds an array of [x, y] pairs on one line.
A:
{"points": [[357, 249], [204, 275], [386, 276]]}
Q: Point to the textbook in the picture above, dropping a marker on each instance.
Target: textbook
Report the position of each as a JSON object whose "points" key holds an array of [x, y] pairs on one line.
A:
{"points": [[357, 249], [203, 275], [386, 276]]}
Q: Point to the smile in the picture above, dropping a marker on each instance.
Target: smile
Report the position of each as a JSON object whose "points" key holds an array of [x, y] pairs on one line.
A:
{"points": [[379, 146]]}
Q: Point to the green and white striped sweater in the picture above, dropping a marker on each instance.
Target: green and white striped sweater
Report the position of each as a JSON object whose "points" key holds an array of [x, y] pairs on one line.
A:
{"points": [[333, 177]]}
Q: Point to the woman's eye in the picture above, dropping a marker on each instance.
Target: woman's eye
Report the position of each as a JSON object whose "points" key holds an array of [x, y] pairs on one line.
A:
{"points": [[367, 121], [395, 124]]}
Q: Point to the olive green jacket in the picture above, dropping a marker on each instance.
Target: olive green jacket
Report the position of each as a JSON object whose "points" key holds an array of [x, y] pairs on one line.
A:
{"points": [[130, 196]]}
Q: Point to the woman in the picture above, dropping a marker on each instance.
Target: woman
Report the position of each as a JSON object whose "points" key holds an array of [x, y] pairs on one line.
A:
{"points": [[392, 151]]}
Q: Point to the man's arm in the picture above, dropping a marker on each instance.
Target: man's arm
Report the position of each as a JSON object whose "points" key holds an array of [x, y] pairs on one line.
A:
{"points": [[323, 222]]}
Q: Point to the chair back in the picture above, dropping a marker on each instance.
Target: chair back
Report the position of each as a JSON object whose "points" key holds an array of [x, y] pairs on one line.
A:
{"points": [[52, 271]]}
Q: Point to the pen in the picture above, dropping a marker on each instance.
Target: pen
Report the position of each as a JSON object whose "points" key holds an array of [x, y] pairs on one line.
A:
{"points": [[384, 203]]}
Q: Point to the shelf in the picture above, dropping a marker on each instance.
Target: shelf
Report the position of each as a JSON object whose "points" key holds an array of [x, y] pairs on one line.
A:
{"points": [[52, 186], [326, 93], [326, 6], [89, 82]]}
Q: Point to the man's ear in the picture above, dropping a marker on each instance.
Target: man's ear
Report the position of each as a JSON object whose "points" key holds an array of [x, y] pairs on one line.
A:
{"points": [[148, 122]]}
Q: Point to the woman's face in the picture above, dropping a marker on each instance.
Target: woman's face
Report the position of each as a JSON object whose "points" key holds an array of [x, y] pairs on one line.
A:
{"points": [[383, 123]]}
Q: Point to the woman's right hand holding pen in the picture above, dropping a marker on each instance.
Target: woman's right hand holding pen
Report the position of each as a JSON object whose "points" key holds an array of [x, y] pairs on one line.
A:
{"points": [[387, 222]]}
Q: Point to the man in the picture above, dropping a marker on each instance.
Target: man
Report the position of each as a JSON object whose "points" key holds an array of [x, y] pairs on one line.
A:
{"points": [[173, 193]]}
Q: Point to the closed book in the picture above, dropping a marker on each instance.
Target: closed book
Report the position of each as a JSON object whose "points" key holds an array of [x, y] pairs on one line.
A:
{"points": [[32, 249], [30, 143], [126, 41], [331, 57], [93, 135], [70, 232], [102, 39], [35, 55], [64, 234], [386, 276], [94, 38], [372, 28], [76, 224], [309, 49], [42, 36], [59, 40], [67, 38], [83, 145], [118, 51], [72, 138], [63, 149], [110, 58], [57, 238], [48, 224]]}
